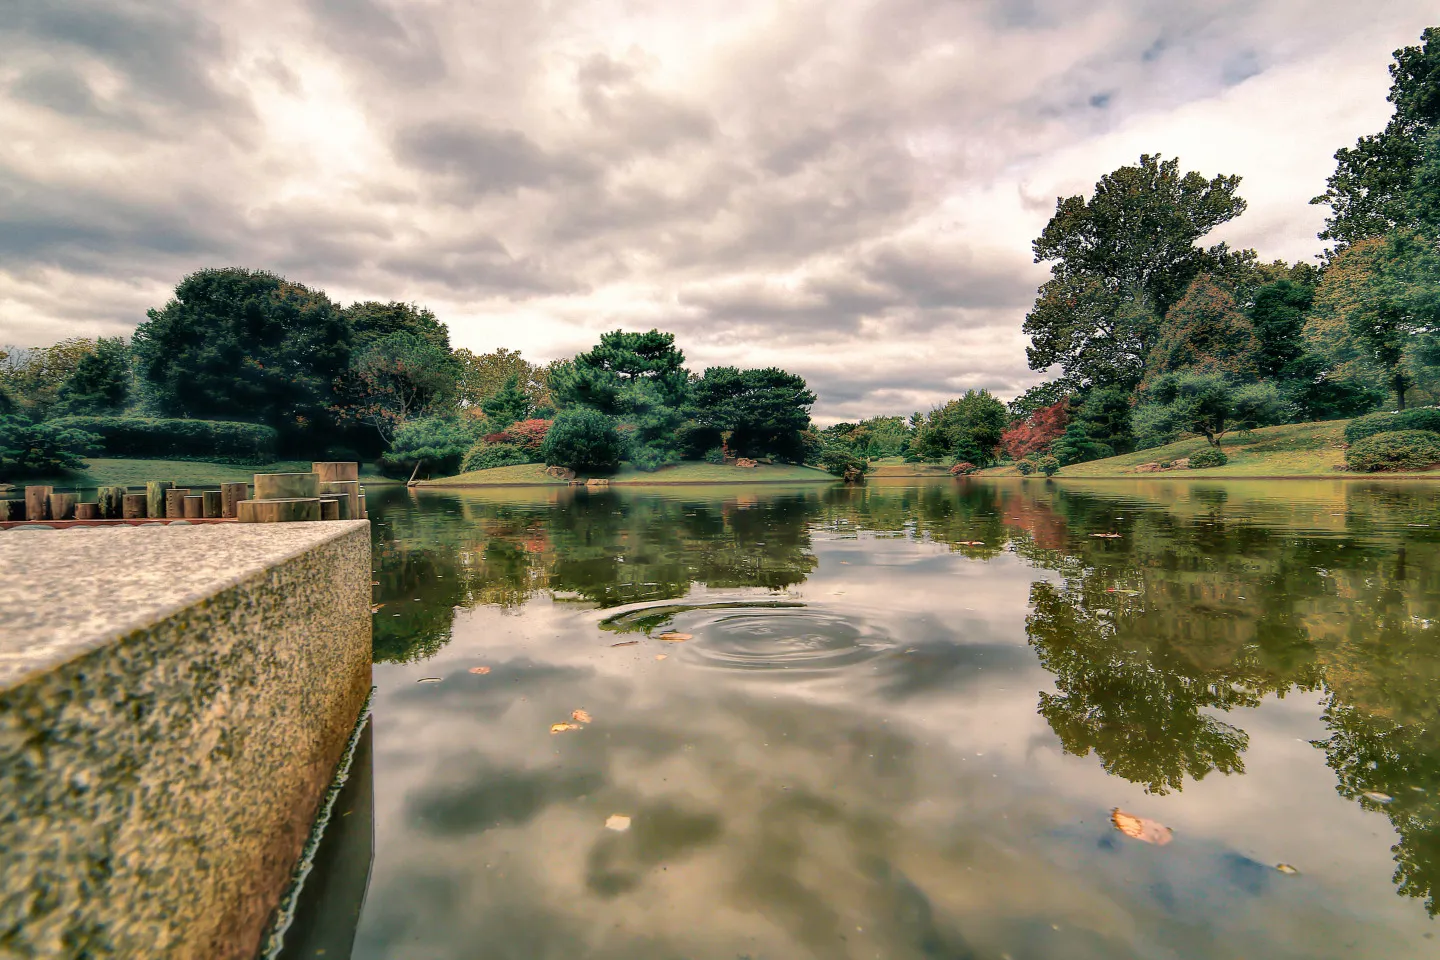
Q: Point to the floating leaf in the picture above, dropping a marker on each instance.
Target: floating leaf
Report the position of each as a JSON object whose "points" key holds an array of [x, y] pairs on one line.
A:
{"points": [[1377, 796], [374, 583], [580, 716], [617, 823], [428, 680], [1150, 831], [1106, 536], [562, 727], [375, 608], [676, 637], [625, 643], [661, 656], [971, 543], [1285, 868], [480, 670]]}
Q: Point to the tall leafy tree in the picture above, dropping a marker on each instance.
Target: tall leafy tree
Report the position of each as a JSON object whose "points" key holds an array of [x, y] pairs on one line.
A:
{"points": [[1367, 192], [237, 344], [967, 428], [1099, 428], [1277, 315], [34, 375], [396, 379], [485, 374], [100, 382], [372, 321], [506, 405], [1118, 263], [595, 378], [763, 410], [1206, 330], [1208, 403]]}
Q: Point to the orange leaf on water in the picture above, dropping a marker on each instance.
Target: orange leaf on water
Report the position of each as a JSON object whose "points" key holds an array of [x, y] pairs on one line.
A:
{"points": [[376, 607], [676, 637], [1150, 831], [580, 716], [562, 727], [660, 656], [481, 670]]}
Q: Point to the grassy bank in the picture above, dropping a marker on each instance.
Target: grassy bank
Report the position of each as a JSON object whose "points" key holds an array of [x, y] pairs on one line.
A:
{"points": [[184, 473], [1313, 450], [891, 467], [533, 474]]}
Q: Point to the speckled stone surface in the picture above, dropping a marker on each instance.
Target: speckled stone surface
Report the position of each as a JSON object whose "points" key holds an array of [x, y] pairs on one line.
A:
{"points": [[172, 704]]}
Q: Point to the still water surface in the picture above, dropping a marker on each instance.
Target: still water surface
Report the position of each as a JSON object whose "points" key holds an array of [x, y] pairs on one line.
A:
{"points": [[903, 719]]}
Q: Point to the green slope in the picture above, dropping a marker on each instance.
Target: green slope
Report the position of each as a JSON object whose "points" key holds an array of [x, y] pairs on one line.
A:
{"points": [[534, 473]]}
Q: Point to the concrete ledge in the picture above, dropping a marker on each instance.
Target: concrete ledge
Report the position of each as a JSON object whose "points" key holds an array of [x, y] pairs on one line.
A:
{"points": [[173, 701]]}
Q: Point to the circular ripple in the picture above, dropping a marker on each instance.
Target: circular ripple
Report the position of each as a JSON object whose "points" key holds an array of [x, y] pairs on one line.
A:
{"points": [[780, 639]]}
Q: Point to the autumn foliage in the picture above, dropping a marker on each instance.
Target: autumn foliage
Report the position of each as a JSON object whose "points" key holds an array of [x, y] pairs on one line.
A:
{"points": [[525, 434], [1035, 435]]}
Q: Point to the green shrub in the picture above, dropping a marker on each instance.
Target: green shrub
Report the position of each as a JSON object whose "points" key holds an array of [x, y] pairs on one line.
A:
{"points": [[1026, 467], [439, 444], [584, 440], [1048, 465], [1369, 425], [1209, 457], [842, 463], [485, 455], [715, 455], [40, 449], [1398, 450], [152, 438], [1421, 418]]}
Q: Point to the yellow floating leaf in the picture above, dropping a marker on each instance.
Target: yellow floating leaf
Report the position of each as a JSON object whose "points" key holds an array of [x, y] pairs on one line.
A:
{"points": [[580, 716], [480, 670], [1106, 536], [562, 727], [1286, 869], [1150, 831], [617, 823], [676, 637], [661, 656]]}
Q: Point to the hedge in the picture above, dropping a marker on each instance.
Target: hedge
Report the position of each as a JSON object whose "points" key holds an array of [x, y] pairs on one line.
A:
{"points": [[1398, 450], [1422, 418], [1208, 457], [152, 438]]}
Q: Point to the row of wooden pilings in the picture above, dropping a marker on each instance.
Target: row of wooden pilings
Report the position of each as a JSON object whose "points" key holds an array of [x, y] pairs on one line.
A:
{"points": [[330, 491]]}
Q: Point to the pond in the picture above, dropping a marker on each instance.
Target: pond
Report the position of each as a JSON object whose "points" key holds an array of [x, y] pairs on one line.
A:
{"points": [[896, 721]]}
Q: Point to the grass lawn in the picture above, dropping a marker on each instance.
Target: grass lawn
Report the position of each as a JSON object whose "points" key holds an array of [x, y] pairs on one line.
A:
{"points": [[184, 473], [534, 473], [1292, 450], [897, 467]]}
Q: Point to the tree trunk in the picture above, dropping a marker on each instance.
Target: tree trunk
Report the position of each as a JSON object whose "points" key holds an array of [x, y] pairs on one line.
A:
{"points": [[287, 486], [336, 470], [135, 506], [87, 511], [230, 496], [62, 506], [155, 497], [1401, 384], [175, 502], [214, 503], [37, 503], [413, 472], [193, 506], [280, 511]]}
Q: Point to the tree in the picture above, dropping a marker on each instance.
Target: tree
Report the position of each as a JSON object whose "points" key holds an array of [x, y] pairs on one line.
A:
{"points": [[967, 428], [763, 411], [1206, 331], [395, 379], [1209, 404], [1037, 397], [372, 321], [484, 375], [1119, 261], [100, 382], [236, 344], [1277, 316], [29, 449], [438, 444], [34, 375], [1037, 433], [1099, 428], [584, 440], [1367, 192], [506, 405], [594, 378]]}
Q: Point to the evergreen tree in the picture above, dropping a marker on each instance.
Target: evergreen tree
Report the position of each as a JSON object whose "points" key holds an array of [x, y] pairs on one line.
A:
{"points": [[100, 383]]}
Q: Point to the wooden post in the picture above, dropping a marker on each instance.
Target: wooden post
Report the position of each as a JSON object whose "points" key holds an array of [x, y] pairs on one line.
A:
{"points": [[287, 486], [214, 503], [62, 506], [37, 503], [230, 496], [193, 504], [155, 497], [329, 509], [175, 502], [111, 502], [87, 511], [135, 506], [12, 509], [350, 489], [335, 471], [364, 512], [280, 511]]}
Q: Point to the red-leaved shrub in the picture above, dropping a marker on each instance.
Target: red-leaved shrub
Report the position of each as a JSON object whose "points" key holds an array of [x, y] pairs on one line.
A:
{"points": [[1035, 435]]}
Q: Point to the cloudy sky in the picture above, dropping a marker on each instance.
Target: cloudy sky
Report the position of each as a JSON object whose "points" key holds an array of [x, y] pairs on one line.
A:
{"points": [[844, 188]]}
